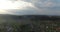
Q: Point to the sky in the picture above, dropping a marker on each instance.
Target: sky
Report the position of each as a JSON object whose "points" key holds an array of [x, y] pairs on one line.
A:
{"points": [[30, 7]]}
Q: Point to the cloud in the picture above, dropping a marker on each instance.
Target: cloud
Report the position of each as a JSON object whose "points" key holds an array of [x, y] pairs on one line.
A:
{"points": [[42, 3], [5, 12], [35, 11], [13, 4], [38, 7], [25, 11]]}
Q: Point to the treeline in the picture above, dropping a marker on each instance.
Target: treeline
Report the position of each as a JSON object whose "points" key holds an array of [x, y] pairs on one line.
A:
{"points": [[33, 17], [38, 17]]}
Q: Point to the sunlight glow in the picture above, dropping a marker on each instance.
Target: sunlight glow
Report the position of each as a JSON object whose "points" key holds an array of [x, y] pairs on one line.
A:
{"points": [[9, 4], [6, 4], [2, 11]]}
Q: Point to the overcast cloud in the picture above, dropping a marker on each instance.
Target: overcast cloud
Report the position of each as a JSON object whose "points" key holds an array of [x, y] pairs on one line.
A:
{"points": [[41, 7]]}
